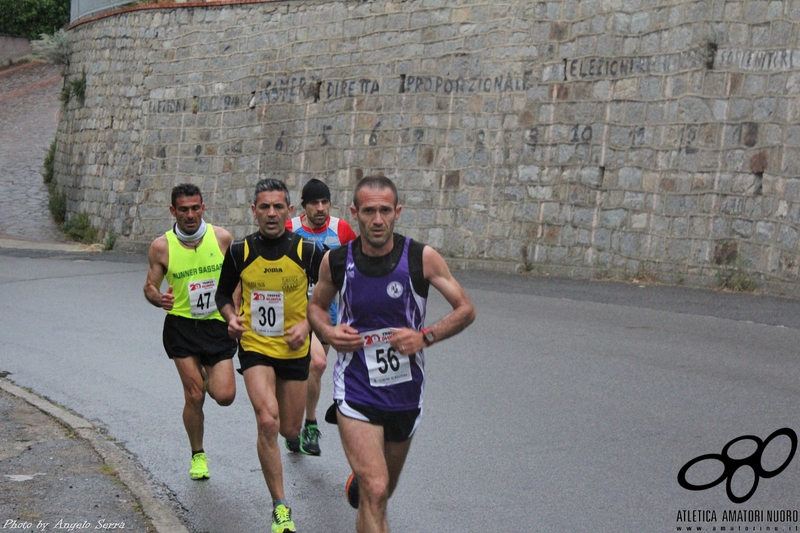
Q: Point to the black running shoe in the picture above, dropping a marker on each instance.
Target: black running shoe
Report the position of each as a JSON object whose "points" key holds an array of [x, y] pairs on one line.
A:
{"points": [[351, 491], [293, 445], [309, 440]]}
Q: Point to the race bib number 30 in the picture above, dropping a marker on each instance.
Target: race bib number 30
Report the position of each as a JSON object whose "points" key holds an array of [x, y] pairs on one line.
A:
{"points": [[386, 366], [201, 297], [266, 313]]}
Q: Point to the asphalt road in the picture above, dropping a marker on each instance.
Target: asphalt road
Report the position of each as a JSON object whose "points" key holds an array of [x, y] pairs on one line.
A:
{"points": [[567, 406]]}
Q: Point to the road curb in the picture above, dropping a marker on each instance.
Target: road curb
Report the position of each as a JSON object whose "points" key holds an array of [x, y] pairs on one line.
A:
{"points": [[19, 244], [161, 517]]}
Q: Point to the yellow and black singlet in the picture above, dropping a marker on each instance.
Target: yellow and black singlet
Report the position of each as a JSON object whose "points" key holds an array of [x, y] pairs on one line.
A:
{"points": [[194, 276], [275, 274]]}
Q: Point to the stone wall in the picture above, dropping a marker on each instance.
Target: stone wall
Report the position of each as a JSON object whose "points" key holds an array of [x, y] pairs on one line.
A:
{"points": [[624, 137]]}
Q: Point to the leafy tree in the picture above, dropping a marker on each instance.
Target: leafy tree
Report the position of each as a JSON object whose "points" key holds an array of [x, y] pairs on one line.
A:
{"points": [[31, 18]]}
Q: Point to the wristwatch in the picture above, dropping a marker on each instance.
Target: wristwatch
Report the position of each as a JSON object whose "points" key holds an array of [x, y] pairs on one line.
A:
{"points": [[428, 337]]}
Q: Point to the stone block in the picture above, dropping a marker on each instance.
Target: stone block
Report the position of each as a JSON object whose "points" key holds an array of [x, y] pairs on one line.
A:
{"points": [[628, 243], [614, 218], [640, 22], [764, 231], [634, 200], [630, 178], [602, 239], [679, 249], [787, 237], [540, 192], [659, 224], [742, 228], [680, 227], [550, 212], [583, 217]]}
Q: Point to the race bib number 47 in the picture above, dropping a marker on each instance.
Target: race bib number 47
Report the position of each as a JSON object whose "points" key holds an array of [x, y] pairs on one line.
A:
{"points": [[266, 313], [386, 366], [201, 297]]}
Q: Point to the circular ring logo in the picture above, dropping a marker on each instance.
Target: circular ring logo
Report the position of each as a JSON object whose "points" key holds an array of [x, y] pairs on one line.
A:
{"points": [[394, 289], [732, 465]]}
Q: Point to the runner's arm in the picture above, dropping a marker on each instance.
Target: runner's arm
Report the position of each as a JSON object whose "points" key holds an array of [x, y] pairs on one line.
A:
{"points": [[342, 337], [436, 272], [224, 239], [227, 294], [315, 255], [157, 257], [296, 335]]}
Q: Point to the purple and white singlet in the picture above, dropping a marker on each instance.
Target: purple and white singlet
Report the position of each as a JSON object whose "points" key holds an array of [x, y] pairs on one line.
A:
{"points": [[377, 375]]}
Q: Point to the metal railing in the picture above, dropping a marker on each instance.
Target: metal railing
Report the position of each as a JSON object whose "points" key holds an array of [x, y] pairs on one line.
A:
{"points": [[84, 8]]}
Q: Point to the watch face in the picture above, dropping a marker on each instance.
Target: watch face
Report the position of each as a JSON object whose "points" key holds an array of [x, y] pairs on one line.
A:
{"points": [[429, 337]]}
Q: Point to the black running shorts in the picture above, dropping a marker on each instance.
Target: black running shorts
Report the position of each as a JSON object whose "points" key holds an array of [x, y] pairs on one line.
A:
{"points": [[398, 426], [206, 339], [286, 369]]}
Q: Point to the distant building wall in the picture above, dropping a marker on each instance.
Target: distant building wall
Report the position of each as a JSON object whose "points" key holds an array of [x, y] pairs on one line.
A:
{"points": [[12, 49], [624, 137]]}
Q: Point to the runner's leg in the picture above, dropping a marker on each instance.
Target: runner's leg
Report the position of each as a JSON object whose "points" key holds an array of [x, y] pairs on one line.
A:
{"points": [[261, 384], [319, 355], [221, 382], [377, 465], [291, 396], [194, 395]]}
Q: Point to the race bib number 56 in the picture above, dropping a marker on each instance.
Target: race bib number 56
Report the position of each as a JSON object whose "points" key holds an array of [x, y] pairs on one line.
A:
{"points": [[266, 313], [386, 366]]}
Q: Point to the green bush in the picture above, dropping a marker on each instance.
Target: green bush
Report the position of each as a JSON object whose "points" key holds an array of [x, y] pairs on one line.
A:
{"points": [[49, 163], [79, 229], [57, 204], [52, 48], [78, 88], [110, 241], [31, 18], [734, 276], [65, 94]]}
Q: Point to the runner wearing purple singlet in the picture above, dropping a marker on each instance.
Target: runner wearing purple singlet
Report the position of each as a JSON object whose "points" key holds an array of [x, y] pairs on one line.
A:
{"points": [[382, 280]]}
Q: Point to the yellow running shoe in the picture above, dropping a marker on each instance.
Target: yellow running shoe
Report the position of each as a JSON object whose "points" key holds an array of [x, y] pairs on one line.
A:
{"points": [[199, 468], [282, 520]]}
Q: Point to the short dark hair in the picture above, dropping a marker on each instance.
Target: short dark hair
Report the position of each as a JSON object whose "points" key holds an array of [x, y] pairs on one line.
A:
{"points": [[374, 182], [185, 189], [269, 185]]}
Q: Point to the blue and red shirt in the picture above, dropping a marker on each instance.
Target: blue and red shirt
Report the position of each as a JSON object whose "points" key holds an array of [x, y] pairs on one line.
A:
{"points": [[334, 234]]}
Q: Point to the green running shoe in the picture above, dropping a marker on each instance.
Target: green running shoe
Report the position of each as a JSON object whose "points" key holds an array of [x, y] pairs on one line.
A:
{"points": [[199, 468], [309, 440], [293, 445], [282, 520]]}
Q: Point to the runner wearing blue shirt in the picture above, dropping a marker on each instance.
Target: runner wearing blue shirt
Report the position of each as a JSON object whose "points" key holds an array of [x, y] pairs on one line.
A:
{"points": [[328, 233]]}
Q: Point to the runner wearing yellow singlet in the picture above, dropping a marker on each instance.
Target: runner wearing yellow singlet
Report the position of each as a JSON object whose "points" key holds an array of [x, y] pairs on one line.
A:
{"points": [[195, 335], [274, 268]]}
